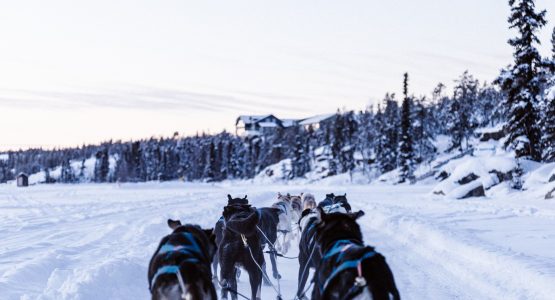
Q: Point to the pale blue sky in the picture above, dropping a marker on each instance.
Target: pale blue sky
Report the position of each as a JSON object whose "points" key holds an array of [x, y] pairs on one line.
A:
{"points": [[85, 71]]}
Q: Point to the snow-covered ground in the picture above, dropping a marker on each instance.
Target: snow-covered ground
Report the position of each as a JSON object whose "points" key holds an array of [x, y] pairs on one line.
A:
{"points": [[94, 241]]}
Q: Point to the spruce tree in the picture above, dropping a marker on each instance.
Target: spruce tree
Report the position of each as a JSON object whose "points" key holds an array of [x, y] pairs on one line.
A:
{"points": [[548, 128], [462, 118], [521, 82], [390, 134], [66, 174], [422, 132], [406, 155]]}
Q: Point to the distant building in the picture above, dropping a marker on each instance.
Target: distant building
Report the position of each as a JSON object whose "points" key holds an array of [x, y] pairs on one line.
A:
{"points": [[249, 126], [22, 179], [256, 125], [317, 121]]}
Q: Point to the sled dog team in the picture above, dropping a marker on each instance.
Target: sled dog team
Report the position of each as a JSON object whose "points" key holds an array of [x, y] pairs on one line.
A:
{"points": [[185, 263]]}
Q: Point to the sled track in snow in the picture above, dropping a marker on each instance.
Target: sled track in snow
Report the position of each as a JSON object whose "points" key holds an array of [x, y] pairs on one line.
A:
{"points": [[95, 241]]}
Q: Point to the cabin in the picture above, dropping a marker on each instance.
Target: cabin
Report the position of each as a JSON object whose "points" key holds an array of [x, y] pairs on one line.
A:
{"points": [[316, 122], [22, 180], [255, 125], [260, 125]]}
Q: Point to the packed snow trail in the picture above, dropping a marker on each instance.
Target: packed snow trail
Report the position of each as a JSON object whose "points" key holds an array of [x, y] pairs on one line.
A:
{"points": [[95, 241]]}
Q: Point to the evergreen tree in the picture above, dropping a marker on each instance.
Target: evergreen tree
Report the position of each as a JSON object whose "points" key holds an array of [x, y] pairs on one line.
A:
{"points": [[548, 128], [301, 159], [82, 170], [489, 108], [102, 166], [210, 165], [337, 142], [67, 175], [422, 132], [47, 177], [381, 140], [521, 83], [390, 133], [406, 155], [367, 138], [462, 120]]}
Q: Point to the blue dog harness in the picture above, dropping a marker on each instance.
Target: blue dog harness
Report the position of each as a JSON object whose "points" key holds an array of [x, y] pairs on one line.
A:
{"points": [[191, 251], [339, 250]]}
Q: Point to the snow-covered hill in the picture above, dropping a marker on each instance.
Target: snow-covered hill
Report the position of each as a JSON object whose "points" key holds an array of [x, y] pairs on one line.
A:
{"points": [[94, 241]]}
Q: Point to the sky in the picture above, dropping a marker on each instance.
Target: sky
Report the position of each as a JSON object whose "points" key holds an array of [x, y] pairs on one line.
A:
{"points": [[74, 72]]}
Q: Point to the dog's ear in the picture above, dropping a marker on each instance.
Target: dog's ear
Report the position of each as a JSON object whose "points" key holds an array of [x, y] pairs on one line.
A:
{"points": [[209, 233], [320, 216], [173, 224], [229, 197], [357, 214], [245, 197]]}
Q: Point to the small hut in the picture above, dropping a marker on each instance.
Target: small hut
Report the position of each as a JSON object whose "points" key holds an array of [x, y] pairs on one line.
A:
{"points": [[22, 179]]}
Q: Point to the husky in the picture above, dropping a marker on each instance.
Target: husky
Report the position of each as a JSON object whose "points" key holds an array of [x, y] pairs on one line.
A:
{"points": [[267, 230], [342, 201], [285, 227], [332, 201], [327, 201], [297, 205], [240, 247], [309, 255], [309, 201], [219, 234], [180, 267], [348, 269]]}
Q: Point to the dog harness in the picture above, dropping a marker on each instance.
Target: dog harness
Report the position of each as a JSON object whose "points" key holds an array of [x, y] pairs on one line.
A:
{"points": [[191, 251], [339, 250]]}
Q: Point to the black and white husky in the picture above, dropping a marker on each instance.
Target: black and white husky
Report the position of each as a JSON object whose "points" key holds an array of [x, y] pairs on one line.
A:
{"points": [[309, 255], [180, 267], [348, 269]]}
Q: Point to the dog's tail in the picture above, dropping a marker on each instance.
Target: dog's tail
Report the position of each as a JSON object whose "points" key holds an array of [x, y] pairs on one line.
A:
{"points": [[244, 222], [377, 270]]}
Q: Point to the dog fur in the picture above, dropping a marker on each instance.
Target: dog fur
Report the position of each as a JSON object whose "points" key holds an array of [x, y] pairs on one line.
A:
{"points": [[309, 255], [196, 276], [343, 228], [269, 219], [327, 201], [342, 200], [240, 219], [285, 227], [331, 201], [309, 201]]}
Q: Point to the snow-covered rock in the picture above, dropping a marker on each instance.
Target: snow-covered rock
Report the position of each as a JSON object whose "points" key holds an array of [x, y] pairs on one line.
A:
{"points": [[275, 173], [470, 176]]}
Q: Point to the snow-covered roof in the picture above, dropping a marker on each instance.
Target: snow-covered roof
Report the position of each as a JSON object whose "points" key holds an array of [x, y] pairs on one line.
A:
{"points": [[316, 119], [251, 119]]}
